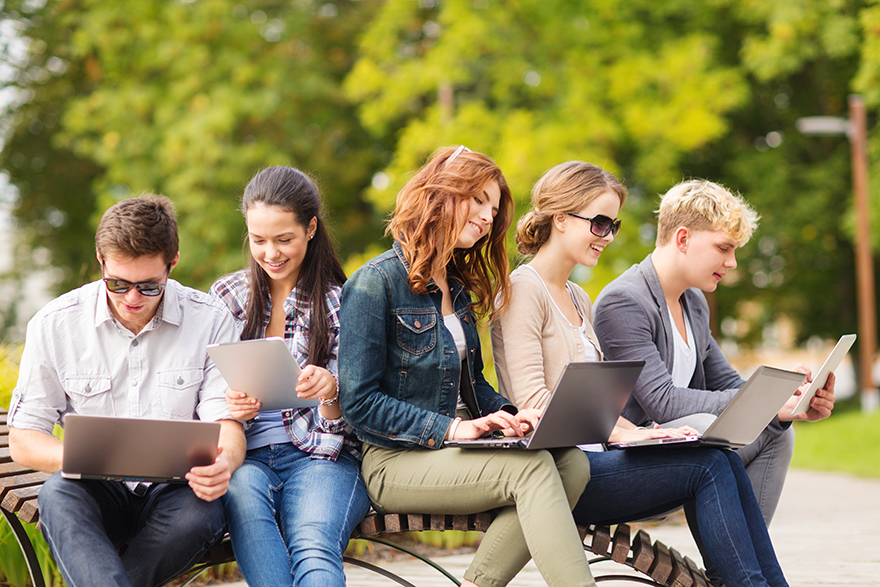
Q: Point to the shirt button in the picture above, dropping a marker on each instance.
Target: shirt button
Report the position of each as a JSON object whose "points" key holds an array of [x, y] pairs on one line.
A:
{"points": [[88, 388], [431, 442], [135, 342], [134, 383], [180, 381], [418, 324]]}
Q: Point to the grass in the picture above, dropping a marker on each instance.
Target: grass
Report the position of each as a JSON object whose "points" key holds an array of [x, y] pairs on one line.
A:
{"points": [[847, 442]]}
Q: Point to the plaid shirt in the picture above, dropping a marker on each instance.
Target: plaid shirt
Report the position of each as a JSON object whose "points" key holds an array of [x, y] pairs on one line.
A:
{"points": [[307, 428]]}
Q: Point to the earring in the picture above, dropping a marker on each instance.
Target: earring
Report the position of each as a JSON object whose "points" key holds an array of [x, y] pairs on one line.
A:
{"points": [[311, 236]]}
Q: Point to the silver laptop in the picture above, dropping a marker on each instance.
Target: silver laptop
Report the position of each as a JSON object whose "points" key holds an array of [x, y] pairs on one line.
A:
{"points": [[264, 369], [747, 414], [582, 409], [134, 449]]}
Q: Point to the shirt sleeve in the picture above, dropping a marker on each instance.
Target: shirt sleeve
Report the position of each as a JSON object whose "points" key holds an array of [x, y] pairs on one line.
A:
{"points": [[39, 399], [212, 396]]}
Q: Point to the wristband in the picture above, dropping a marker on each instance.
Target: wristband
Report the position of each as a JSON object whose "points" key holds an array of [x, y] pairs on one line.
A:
{"points": [[453, 427]]}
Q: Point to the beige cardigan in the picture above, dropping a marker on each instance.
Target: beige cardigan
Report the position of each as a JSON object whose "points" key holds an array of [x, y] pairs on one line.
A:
{"points": [[532, 341]]}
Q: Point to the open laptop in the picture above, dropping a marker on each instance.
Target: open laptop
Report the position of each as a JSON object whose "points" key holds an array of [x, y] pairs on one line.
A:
{"points": [[134, 449], [747, 414], [582, 409], [264, 369]]}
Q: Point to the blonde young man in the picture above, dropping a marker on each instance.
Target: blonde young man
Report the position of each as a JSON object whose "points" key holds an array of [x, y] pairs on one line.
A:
{"points": [[131, 345], [656, 311]]}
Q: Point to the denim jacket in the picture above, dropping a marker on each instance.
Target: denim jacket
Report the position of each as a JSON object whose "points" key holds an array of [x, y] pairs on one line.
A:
{"points": [[399, 371]]}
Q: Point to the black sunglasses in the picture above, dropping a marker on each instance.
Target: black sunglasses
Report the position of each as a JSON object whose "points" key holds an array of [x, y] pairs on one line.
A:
{"points": [[600, 225], [119, 286]]}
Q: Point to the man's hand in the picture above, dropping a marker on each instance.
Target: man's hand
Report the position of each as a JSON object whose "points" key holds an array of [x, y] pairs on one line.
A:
{"points": [[211, 481], [820, 406]]}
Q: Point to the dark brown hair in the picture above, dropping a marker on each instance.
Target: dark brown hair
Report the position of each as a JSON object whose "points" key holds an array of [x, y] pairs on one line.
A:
{"points": [[139, 227], [291, 190]]}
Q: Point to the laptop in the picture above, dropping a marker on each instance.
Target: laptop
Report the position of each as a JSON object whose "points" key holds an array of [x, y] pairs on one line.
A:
{"points": [[747, 414], [134, 449], [840, 349], [582, 409], [264, 369]]}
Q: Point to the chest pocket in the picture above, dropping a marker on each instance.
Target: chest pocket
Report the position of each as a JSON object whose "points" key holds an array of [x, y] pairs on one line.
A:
{"points": [[179, 391], [89, 394], [417, 333]]}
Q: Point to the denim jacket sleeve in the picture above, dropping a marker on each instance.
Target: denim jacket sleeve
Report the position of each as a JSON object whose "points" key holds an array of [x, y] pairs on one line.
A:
{"points": [[366, 331]]}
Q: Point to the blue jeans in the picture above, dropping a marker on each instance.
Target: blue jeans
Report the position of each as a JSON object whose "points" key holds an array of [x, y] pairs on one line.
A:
{"points": [[164, 532], [631, 484], [290, 516]]}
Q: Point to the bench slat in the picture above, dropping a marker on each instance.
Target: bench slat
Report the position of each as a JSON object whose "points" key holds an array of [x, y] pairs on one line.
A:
{"points": [[681, 575], [601, 540], [17, 481], [643, 552], [620, 546], [661, 568], [698, 575], [15, 498]]}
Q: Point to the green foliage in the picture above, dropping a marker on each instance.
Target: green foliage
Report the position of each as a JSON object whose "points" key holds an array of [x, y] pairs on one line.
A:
{"points": [[13, 570], [190, 99], [847, 442], [10, 355]]}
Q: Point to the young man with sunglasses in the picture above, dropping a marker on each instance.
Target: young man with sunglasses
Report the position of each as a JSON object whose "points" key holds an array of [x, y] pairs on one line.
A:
{"points": [[129, 345], [656, 311]]}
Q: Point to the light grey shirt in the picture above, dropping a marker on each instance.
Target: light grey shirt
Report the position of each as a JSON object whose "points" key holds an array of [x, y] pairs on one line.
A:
{"points": [[79, 358]]}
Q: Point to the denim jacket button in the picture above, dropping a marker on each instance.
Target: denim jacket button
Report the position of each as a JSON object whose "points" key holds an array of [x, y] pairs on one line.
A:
{"points": [[465, 318], [417, 324], [431, 442]]}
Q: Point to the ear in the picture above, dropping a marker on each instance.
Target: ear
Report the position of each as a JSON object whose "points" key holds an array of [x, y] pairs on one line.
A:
{"points": [[98, 257], [681, 238], [313, 227], [174, 262], [560, 221]]}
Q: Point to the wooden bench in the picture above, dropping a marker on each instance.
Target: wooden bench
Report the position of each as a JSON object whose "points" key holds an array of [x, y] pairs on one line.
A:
{"points": [[660, 565]]}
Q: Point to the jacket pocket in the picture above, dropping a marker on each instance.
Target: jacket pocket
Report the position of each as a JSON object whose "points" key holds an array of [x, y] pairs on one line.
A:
{"points": [[417, 332], [179, 391]]}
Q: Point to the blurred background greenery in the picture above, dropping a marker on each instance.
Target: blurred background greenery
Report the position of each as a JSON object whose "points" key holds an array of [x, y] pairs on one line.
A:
{"points": [[105, 99]]}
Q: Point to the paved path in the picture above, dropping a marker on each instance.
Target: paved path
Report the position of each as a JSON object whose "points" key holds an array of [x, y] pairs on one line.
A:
{"points": [[826, 533]]}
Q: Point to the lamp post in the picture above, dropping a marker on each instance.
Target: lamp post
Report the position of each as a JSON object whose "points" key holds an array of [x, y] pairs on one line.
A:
{"points": [[855, 128]]}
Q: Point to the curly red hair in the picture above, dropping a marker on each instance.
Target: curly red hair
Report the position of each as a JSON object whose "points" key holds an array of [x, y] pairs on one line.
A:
{"points": [[430, 214]]}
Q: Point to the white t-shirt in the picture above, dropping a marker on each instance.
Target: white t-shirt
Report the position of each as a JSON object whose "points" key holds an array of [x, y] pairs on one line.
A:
{"points": [[453, 325], [684, 359]]}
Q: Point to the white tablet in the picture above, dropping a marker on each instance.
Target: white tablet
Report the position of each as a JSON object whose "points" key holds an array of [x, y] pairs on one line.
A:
{"points": [[840, 349], [262, 368]]}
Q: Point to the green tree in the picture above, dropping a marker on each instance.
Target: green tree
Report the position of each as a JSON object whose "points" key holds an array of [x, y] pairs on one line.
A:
{"points": [[190, 99]]}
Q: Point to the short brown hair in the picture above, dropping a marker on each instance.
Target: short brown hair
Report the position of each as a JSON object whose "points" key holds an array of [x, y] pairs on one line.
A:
{"points": [[139, 227]]}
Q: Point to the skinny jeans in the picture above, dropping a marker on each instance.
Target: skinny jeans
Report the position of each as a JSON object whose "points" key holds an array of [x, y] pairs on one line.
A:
{"points": [[637, 483], [535, 489]]}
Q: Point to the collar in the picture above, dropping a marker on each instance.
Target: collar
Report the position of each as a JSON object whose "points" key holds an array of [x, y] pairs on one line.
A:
{"points": [[168, 311]]}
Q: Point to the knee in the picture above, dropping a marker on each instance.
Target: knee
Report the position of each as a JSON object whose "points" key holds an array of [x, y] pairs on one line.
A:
{"points": [[200, 520], [574, 470], [62, 496]]}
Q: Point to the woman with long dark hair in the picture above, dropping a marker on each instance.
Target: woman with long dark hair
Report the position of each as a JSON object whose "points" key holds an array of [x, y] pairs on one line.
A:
{"points": [[293, 504]]}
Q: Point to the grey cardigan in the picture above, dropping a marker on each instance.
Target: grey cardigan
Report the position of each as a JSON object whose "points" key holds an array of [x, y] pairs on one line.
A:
{"points": [[632, 322]]}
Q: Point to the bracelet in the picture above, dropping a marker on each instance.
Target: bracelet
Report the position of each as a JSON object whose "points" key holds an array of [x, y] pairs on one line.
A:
{"points": [[335, 399], [453, 427]]}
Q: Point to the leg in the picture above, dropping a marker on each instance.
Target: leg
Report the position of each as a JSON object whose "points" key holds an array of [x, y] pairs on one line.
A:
{"points": [[84, 522], [726, 511], [321, 503], [174, 529], [536, 490], [766, 461], [251, 503]]}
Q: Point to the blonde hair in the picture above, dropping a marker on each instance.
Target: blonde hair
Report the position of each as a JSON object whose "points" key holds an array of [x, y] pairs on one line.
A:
{"points": [[428, 218], [698, 204], [568, 187]]}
